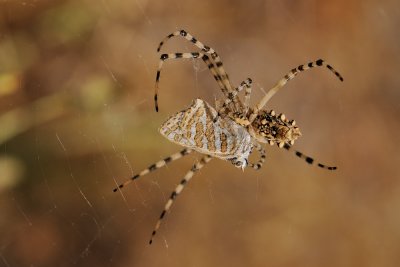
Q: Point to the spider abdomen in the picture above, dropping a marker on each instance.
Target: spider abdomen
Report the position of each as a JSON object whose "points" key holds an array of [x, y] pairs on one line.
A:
{"points": [[271, 128], [200, 128]]}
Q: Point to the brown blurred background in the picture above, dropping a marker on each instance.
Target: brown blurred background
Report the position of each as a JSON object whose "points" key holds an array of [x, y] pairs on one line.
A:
{"points": [[77, 116]]}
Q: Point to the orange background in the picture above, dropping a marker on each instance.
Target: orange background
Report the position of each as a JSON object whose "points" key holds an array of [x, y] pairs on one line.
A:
{"points": [[77, 116]]}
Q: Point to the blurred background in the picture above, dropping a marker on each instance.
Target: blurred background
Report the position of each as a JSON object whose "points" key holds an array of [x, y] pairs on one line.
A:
{"points": [[77, 117]]}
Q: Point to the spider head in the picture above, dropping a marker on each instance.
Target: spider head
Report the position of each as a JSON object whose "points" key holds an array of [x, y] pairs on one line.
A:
{"points": [[240, 158], [239, 163], [274, 129]]}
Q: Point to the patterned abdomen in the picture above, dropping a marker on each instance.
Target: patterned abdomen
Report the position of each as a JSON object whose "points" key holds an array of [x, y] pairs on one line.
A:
{"points": [[196, 128]]}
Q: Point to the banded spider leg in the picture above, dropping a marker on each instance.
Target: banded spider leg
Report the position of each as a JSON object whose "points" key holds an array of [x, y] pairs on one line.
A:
{"points": [[196, 167], [247, 84], [216, 68], [282, 82], [159, 164]]}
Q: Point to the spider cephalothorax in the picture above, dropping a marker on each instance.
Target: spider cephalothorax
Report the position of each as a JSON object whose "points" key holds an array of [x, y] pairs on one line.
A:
{"points": [[229, 131], [270, 128]]}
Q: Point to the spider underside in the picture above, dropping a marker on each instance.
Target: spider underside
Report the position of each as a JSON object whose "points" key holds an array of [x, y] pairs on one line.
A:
{"points": [[231, 130]]}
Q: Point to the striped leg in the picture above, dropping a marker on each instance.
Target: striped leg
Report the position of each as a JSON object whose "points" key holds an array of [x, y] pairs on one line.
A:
{"points": [[206, 49], [217, 76], [187, 36], [221, 70], [206, 60], [214, 72], [247, 94], [178, 190], [155, 166], [163, 58], [233, 96], [193, 55], [261, 161], [308, 159], [282, 82]]}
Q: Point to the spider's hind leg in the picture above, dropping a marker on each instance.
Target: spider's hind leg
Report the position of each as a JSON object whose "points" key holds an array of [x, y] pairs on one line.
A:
{"points": [[289, 76], [196, 167], [308, 159]]}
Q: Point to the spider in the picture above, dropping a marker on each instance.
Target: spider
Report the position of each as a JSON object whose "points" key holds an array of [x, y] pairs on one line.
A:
{"points": [[232, 129]]}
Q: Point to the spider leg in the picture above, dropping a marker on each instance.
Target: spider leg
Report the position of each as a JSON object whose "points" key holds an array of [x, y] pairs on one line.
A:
{"points": [[282, 82], [206, 60], [247, 94], [196, 167], [156, 166], [204, 48], [163, 58], [214, 72], [261, 161], [217, 76], [308, 159], [233, 95], [193, 55], [187, 36]]}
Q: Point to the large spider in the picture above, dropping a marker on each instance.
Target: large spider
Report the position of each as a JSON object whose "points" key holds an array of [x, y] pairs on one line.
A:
{"points": [[229, 131]]}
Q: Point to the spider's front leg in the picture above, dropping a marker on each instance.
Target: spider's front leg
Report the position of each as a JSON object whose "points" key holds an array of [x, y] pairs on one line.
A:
{"points": [[188, 37], [192, 55], [261, 161], [155, 166], [165, 57], [216, 66], [204, 48], [232, 97], [196, 167]]}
